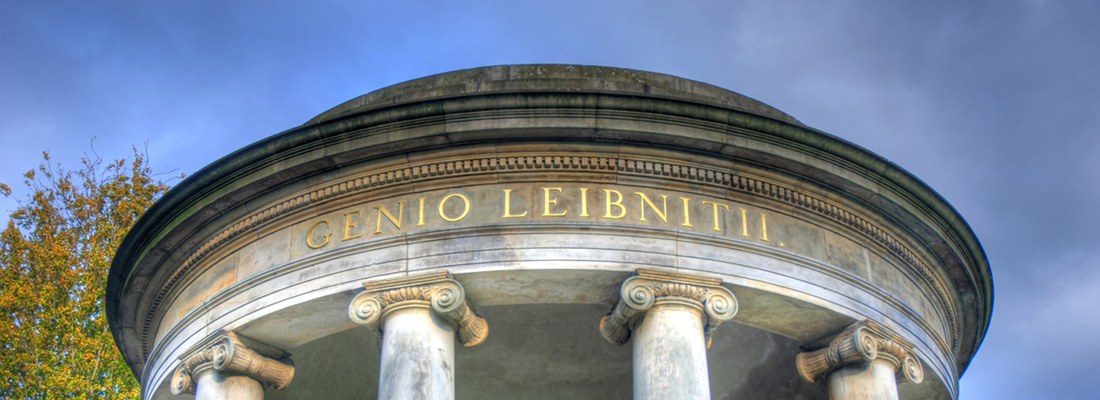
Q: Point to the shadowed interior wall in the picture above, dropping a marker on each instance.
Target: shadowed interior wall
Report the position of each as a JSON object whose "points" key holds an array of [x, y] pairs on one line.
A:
{"points": [[556, 355]]}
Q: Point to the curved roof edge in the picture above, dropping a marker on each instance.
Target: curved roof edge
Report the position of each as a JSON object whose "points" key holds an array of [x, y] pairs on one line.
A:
{"points": [[552, 78], [527, 79]]}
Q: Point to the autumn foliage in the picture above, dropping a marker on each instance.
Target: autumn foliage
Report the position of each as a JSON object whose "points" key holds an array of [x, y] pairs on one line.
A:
{"points": [[56, 251]]}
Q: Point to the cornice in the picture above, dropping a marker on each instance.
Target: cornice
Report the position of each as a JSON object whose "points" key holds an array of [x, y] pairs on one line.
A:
{"points": [[495, 164], [186, 198]]}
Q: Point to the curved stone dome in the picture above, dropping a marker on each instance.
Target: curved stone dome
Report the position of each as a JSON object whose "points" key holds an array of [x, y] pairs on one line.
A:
{"points": [[551, 78], [533, 196]]}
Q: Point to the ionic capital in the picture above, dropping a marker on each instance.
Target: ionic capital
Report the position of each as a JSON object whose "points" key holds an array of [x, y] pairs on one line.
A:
{"points": [[438, 291], [225, 352], [646, 288], [863, 341]]}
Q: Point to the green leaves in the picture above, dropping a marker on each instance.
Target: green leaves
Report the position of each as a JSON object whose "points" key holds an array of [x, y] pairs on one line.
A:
{"points": [[54, 257]]}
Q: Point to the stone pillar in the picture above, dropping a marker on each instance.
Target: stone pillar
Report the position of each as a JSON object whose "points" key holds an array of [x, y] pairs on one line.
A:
{"points": [[216, 385], [673, 317], [864, 362], [417, 318], [224, 367]]}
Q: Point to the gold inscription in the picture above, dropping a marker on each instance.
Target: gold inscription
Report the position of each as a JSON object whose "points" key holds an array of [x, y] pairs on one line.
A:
{"points": [[508, 205], [547, 202], [617, 203], [395, 221], [687, 212], [466, 210], [744, 223], [717, 227], [584, 202], [421, 219], [556, 203], [309, 235], [764, 227], [643, 200], [349, 225]]}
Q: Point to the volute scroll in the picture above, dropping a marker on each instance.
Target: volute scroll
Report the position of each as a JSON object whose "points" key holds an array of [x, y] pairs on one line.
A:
{"points": [[226, 352], [861, 342], [647, 288], [439, 292]]}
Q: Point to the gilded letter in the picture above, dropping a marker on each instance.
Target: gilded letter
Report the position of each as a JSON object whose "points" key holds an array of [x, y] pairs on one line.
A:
{"points": [[764, 227], [584, 202], [716, 227], [547, 202], [744, 223], [421, 221], [616, 203], [444, 202], [309, 235], [687, 212], [348, 225], [396, 221], [645, 200], [508, 205]]}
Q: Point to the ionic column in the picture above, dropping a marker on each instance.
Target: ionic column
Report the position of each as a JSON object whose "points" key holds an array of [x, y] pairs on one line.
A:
{"points": [[229, 369], [864, 362], [417, 318], [673, 317]]}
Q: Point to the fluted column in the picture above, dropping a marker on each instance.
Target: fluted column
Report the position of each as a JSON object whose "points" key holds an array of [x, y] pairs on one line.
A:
{"points": [[864, 362], [229, 369], [417, 318], [673, 317]]}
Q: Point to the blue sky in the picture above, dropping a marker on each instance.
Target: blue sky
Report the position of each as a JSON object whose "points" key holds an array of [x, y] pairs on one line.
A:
{"points": [[994, 104]]}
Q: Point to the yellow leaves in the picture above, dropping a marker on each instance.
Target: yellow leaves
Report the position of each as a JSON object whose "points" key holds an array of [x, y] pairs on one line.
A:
{"points": [[54, 257]]}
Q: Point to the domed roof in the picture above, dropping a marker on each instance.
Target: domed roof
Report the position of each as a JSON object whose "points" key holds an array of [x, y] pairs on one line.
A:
{"points": [[559, 103], [551, 78]]}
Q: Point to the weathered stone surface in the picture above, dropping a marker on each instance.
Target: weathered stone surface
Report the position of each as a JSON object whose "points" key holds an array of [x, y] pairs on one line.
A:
{"points": [[670, 355], [866, 361], [542, 185], [417, 361], [563, 350], [872, 380], [264, 254], [229, 366], [214, 385], [846, 255]]}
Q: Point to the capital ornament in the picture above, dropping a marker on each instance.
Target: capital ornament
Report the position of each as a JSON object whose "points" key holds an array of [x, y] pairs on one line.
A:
{"points": [[863, 341], [646, 288], [228, 354], [438, 291]]}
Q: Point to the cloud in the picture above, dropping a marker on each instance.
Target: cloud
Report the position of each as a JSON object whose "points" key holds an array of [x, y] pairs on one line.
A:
{"points": [[994, 104]]}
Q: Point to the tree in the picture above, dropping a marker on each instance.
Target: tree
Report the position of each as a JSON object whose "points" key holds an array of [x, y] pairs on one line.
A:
{"points": [[54, 258]]}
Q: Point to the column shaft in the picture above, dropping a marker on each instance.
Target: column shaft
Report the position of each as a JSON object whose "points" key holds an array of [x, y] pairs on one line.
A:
{"points": [[873, 380], [215, 385], [670, 354], [417, 360]]}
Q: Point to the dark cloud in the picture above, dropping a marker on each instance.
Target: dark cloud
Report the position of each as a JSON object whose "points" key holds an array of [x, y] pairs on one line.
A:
{"points": [[994, 104]]}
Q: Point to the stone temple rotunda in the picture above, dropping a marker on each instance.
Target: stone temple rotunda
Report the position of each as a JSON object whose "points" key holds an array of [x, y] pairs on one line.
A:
{"points": [[550, 232]]}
